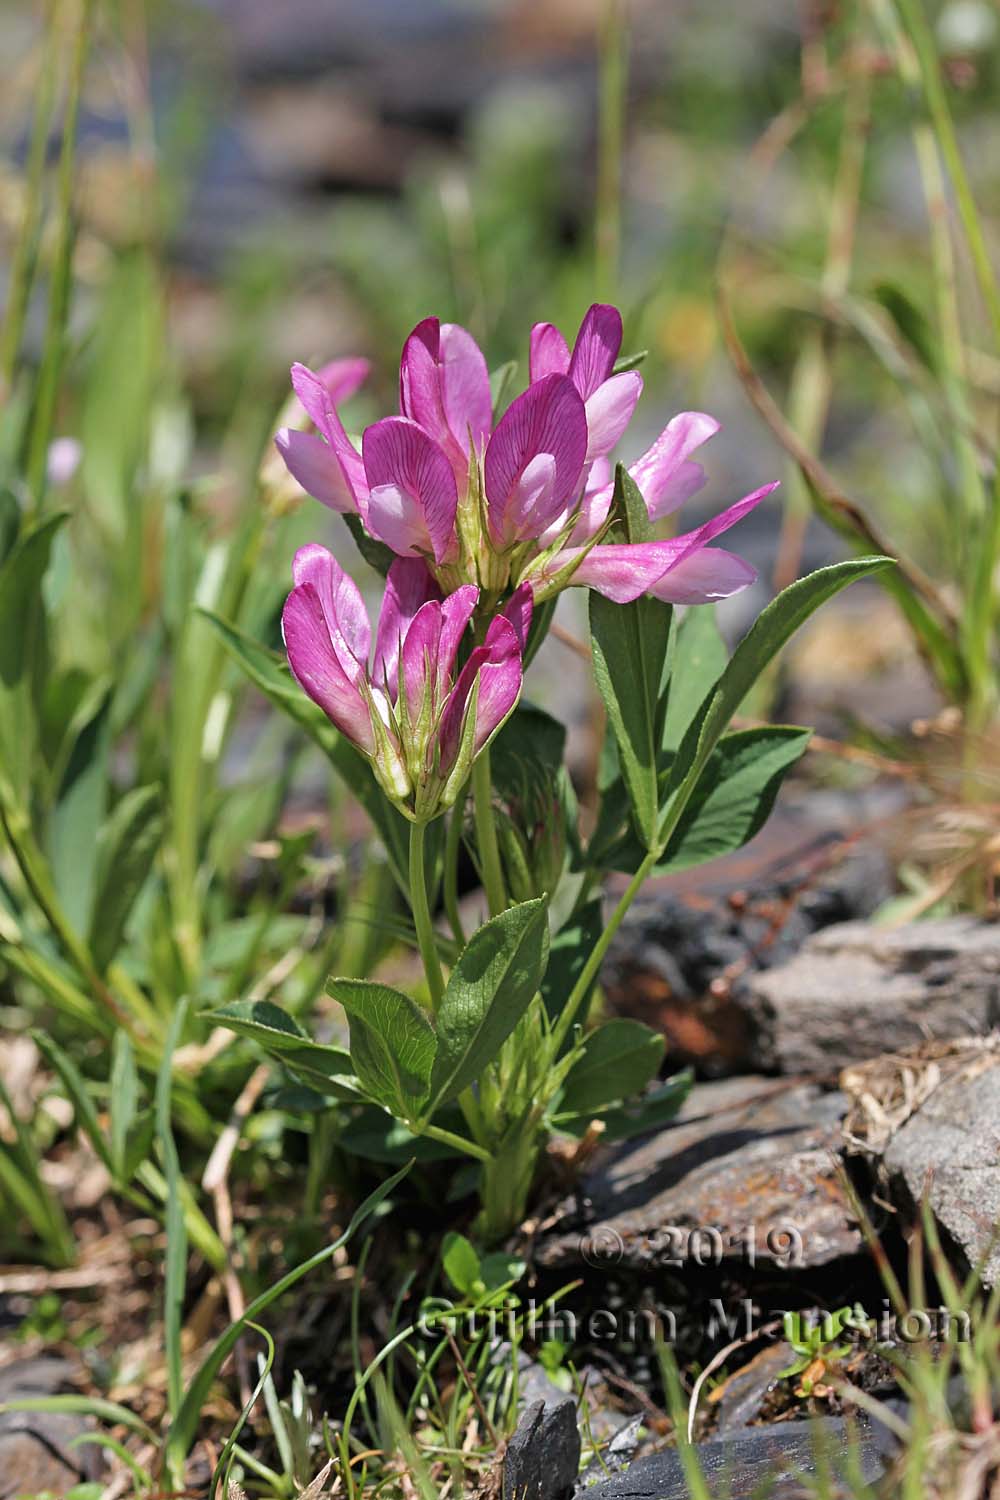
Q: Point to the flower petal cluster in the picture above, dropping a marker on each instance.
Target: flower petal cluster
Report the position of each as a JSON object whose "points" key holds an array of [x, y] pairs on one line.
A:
{"points": [[529, 498], [419, 717]]}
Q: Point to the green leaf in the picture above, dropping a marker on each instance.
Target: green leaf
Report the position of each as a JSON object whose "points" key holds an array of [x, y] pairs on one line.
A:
{"points": [[126, 848], [631, 644], [124, 1099], [392, 1043], [491, 986], [759, 646], [460, 1260], [21, 633], [375, 553], [175, 1261], [699, 660], [649, 1113], [617, 1061], [318, 1064], [734, 795], [375, 1136], [76, 821]]}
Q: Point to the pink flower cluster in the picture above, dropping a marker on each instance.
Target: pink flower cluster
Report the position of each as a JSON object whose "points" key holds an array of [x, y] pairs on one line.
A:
{"points": [[476, 513]]}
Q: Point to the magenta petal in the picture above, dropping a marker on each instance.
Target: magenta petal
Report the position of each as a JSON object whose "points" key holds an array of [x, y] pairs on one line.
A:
{"points": [[664, 475], [465, 384], [499, 679], [596, 348], [497, 664], [609, 411], [408, 586], [413, 496], [518, 610], [343, 607], [342, 377], [312, 464], [444, 386], [534, 459], [704, 576], [418, 658], [623, 571], [456, 612], [316, 667], [548, 352]]}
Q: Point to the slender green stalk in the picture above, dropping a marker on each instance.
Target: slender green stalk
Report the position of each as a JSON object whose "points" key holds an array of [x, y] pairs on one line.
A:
{"points": [[592, 967], [54, 347], [426, 940], [613, 73], [452, 848], [486, 835], [25, 251], [449, 1138], [920, 34]]}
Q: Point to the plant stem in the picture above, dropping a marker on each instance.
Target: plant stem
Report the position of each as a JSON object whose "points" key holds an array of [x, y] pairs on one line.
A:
{"points": [[486, 835], [592, 967], [449, 1138], [422, 915], [453, 844]]}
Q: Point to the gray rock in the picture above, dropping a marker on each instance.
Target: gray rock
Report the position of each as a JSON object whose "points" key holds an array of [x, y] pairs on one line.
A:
{"points": [[747, 1161], [854, 988], [739, 1468], [950, 1148], [36, 1456], [543, 1456]]}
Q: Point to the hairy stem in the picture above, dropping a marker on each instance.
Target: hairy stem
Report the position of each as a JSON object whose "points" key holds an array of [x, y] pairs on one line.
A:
{"points": [[422, 916]]}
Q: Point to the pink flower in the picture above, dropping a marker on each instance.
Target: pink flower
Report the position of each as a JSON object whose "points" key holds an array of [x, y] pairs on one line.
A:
{"points": [[528, 500], [419, 721]]}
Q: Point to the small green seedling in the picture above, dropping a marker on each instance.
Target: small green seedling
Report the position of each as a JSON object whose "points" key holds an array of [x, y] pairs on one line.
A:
{"points": [[815, 1345]]}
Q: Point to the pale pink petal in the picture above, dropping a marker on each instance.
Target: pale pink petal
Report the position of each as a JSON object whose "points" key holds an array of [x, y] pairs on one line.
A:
{"points": [[312, 463], [548, 352], [317, 669], [408, 585], [62, 460], [342, 377], [704, 576], [413, 496], [343, 607], [320, 409], [534, 460], [596, 348], [663, 474], [598, 494], [609, 411]]}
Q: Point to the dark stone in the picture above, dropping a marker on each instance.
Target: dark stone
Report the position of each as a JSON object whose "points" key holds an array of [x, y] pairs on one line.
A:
{"points": [[744, 1154], [688, 953], [36, 1456], [543, 1456], [740, 1467], [830, 1004], [738, 1402], [950, 1149]]}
